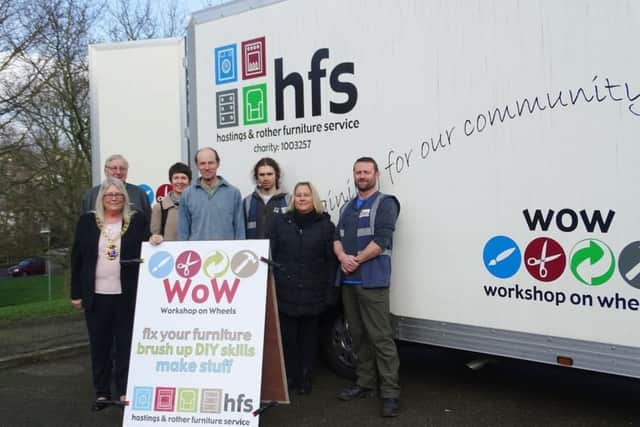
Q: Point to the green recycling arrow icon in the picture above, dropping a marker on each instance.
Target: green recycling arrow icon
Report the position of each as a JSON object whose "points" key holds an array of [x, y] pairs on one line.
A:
{"points": [[216, 265], [592, 251]]}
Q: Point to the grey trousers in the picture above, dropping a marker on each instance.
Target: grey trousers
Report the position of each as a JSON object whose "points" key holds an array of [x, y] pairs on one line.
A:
{"points": [[367, 312]]}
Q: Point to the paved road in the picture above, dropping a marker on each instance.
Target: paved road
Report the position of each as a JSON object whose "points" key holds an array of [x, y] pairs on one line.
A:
{"points": [[437, 391]]}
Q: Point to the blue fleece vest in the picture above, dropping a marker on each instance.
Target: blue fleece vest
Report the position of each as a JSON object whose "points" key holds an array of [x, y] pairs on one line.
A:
{"points": [[251, 209], [375, 273]]}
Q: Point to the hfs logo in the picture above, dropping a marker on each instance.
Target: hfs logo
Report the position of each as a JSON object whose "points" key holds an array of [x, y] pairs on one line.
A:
{"points": [[254, 97]]}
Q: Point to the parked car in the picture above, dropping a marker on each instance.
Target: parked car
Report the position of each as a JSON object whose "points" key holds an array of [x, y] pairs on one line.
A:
{"points": [[28, 267]]}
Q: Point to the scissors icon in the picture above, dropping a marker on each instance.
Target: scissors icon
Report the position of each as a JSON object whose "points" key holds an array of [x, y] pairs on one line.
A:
{"points": [[543, 260], [186, 266]]}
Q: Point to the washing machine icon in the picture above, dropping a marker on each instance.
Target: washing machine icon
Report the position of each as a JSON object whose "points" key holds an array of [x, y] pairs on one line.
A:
{"points": [[225, 64]]}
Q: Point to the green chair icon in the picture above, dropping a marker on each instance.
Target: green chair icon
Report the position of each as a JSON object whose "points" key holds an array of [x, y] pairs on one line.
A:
{"points": [[254, 105], [187, 400]]}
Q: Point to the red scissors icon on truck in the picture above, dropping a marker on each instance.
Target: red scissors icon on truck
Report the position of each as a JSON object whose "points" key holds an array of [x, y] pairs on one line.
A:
{"points": [[547, 270]]}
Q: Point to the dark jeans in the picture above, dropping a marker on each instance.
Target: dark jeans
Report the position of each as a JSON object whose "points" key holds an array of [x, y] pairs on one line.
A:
{"points": [[109, 324], [300, 345]]}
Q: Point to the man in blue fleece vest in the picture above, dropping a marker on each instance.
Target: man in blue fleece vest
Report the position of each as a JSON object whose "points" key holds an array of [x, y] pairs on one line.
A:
{"points": [[363, 244]]}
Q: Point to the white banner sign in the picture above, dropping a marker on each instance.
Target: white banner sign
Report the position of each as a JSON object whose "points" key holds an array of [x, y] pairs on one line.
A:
{"points": [[196, 352]]}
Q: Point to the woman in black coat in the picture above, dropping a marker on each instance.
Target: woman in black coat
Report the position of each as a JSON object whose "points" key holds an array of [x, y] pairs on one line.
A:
{"points": [[302, 246], [106, 288]]}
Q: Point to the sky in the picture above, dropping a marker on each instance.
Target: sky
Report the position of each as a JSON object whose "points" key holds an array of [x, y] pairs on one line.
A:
{"points": [[196, 5], [160, 7]]}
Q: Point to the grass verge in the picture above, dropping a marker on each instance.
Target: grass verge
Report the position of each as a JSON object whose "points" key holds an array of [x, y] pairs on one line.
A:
{"points": [[31, 289], [36, 310], [28, 297]]}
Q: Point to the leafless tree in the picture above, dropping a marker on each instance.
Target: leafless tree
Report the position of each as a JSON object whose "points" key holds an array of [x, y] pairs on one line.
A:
{"points": [[45, 149], [15, 40], [47, 152], [144, 19]]}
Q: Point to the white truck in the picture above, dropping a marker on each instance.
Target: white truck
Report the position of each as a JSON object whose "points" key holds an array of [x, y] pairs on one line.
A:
{"points": [[508, 131]]}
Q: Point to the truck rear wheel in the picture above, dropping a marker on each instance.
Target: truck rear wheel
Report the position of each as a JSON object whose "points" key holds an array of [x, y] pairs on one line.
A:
{"points": [[336, 346]]}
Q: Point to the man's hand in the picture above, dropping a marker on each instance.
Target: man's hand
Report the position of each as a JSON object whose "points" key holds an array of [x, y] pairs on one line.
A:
{"points": [[371, 251], [348, 263], [77, 303]]}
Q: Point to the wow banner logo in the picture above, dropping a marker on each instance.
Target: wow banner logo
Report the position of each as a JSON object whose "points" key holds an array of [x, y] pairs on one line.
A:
{"points": [[216, 265]]}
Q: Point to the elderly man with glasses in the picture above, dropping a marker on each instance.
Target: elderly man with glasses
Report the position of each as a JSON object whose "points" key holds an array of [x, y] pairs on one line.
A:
{"points": [[116, 166]]}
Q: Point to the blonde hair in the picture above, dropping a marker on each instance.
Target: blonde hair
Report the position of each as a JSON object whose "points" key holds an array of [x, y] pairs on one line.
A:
{"points": [[317, 204], [108, 182]]}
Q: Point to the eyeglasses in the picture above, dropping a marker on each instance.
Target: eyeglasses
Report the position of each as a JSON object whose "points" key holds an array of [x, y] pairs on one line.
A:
{"points": [[117, 168], [113, 196]]}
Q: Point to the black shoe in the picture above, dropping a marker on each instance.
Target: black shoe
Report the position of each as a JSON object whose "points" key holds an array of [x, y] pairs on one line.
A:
{"points": [[98, 404], [390, 407], [355, 392], [305, 384], [305, 388], [291, 383]]}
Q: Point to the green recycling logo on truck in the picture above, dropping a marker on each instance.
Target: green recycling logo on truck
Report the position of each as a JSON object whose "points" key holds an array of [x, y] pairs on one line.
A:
{"points": [[592, 262]]}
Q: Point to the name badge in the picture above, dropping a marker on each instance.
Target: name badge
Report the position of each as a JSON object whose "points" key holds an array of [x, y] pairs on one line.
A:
{"points": [[365, 212]]}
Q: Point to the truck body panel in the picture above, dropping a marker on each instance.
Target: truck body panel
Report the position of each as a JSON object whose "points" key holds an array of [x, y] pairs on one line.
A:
{"points": [[138, 107], [507, 130]]}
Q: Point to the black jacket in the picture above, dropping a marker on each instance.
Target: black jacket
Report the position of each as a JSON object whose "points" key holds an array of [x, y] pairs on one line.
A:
{"points": [[84, 258], [304, 280]]}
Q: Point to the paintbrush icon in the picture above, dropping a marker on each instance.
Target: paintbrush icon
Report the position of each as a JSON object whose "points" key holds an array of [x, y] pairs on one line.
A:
{"points": [[501, 256]]}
